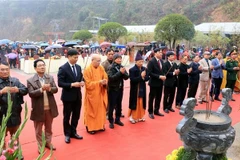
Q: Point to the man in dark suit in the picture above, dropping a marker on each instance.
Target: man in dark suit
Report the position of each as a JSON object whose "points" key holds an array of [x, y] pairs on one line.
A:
{"points": [[70, 78], [193, 78], [155, 69], [171, 71]]}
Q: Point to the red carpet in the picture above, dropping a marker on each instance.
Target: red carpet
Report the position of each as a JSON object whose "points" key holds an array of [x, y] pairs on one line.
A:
{"points": [[153, 139]]}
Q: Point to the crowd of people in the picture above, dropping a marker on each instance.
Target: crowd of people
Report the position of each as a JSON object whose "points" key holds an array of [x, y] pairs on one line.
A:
{"points": [[104, 88]]}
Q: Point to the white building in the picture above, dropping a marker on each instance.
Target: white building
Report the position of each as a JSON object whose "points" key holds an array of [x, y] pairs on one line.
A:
{"points": [[224, 27]]}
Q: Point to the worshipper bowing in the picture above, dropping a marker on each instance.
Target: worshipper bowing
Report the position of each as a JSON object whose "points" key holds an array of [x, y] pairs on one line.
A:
{"points": [[171, 71], [205, 77], [137, 101], [17, 91], [70, 78], [42, 87], [157, 77], [182, 86], [96, 100], [116, 74]]}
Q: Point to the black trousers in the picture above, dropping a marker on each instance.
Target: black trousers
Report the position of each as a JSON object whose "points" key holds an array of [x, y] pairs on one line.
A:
{"points": [[215, 87], [154, 94], [192, 90], [169, 94], [181, 93], [71, 109], [115, 102], [231, 84], [12, 62]]}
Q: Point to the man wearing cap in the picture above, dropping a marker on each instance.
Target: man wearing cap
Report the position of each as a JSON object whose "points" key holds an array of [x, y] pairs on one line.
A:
{"points": [[171, 71], [213, 55], [232, 69], [116, 74], [205, 76], [70, 78], [156, 73], [137, 100]]}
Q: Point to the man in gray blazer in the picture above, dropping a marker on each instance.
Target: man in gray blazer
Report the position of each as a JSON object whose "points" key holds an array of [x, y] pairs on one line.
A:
{"points": [[41, 88]]}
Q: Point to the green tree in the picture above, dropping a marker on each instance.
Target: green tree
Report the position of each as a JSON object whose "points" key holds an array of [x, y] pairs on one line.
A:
{"points": [[112, 31], [174, 27], [83, 35]]}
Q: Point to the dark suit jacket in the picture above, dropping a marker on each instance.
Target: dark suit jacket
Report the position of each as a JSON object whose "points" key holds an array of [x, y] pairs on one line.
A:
{"points": [[65, 78], [183, 76], [194, 75], [34, 85], [154, 73], [136, 84], [171, 80]]}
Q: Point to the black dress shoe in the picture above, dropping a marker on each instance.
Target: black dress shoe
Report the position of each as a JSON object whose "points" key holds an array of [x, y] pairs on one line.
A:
{"points": [[119, 123], [111, 125], [218, 99], [151, 116], [158, 114], [204, 101], [166, 111], [67, 139], [122, 116], [232, 99], [172, 110], [76, 136], [50, 146]]}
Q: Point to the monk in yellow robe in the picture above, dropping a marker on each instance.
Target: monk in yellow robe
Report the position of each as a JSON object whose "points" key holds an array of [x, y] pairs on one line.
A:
{"points": [[95, 102]]}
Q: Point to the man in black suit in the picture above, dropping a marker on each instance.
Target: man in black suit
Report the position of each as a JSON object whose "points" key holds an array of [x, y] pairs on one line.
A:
{"points": [[171, 71], [155, 69], [70, 78], [193, 78]]}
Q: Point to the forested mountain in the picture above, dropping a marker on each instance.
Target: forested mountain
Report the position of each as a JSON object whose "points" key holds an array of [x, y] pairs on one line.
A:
{"points": [[29, 19]]}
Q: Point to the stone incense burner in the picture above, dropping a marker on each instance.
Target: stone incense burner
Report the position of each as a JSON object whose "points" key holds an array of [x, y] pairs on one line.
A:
{"points": [[208, 137]]}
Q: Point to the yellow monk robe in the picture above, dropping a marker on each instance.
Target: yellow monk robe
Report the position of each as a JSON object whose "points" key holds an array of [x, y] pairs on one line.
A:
{"points": [[224, 80], [95, 102], [237, 84]]}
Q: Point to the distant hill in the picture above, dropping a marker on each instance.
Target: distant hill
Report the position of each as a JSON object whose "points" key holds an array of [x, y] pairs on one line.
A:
{"points": [[22, 20]]}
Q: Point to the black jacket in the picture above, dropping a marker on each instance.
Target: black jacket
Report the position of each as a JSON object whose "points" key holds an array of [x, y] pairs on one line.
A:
{"points": [[155, 72], [17, 99], [194, 75], [136, 84], [171, 80], [115, 77], [183, 76], [65, 78]]}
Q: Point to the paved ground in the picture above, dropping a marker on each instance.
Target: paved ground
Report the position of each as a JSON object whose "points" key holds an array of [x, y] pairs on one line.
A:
{"points": [[234, 151]]}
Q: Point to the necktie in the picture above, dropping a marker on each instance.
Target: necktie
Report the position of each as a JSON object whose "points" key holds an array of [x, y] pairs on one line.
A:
{"points": [[74, 71], [159, 64]]}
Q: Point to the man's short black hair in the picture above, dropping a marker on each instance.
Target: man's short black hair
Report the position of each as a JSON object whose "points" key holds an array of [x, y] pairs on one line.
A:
{"points": [[218, 52], [36, 61], [72, 52], [5, 63], [109, 50]]}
